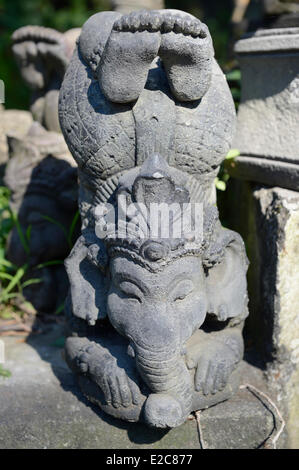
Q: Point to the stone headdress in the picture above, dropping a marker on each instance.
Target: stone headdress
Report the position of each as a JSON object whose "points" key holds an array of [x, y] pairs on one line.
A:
{"points": [[132, 226]]}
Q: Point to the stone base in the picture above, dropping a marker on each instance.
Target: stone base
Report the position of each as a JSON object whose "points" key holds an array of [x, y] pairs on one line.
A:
{"points": [[268, 220], [41, 407]]}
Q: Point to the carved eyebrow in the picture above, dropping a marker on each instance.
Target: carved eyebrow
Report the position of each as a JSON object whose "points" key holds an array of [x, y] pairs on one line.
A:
{"points": [[178, 279], [127, 278]]}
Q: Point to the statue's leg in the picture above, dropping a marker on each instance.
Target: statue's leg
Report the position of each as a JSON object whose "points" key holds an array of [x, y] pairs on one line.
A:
{"points": [[187, 54], [112, 387], [128, 54]]}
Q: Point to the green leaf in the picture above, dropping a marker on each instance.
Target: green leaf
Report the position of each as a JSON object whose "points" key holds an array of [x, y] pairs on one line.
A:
{"points": [[55, 222], [28, 232], [233, 153], [17, 277], [20, 233], [221, 185], [7, 264], [49, 263], [59, 309], [4, 372], [234, 75], [72, 228], [31, 281], [6, 276]]}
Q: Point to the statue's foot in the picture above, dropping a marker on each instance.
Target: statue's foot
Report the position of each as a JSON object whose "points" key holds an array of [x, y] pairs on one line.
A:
{"points": [[187, 54], [100, 367], [181, 40], [131, 48]]}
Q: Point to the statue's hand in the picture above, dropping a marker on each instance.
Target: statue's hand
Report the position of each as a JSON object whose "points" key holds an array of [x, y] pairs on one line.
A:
{"points": [[101, 367], [214, 360]]}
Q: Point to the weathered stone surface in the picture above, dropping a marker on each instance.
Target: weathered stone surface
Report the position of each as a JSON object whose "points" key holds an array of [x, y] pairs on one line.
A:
{"points": [[42, 55], [267, 124], [270, 227], [13, 123], [278, 7], [125, 6], [42, 177], [148, 116], [41, 173], [41, 407], [264, 170], [3, 142]]}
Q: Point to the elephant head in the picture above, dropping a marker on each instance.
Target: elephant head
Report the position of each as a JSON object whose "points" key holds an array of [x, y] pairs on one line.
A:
{"points": [[158, 291]]}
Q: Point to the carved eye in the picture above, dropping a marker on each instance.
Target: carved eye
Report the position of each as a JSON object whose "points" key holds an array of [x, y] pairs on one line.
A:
{"points": [[130, 291], [182, 290]]}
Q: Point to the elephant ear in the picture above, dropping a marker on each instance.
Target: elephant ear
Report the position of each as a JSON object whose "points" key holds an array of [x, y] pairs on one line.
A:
{"points": [[226, 266], [88, 284]]}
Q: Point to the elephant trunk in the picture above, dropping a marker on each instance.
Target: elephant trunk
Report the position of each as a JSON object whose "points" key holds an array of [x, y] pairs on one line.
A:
{"points": [[166, 374]]}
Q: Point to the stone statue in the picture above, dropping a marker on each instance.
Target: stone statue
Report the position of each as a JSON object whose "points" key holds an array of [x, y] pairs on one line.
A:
{"points": [[155, 321], [45, 186], [42, 55], [278, 7], [41, 173], [13, 123], [281, 13]]}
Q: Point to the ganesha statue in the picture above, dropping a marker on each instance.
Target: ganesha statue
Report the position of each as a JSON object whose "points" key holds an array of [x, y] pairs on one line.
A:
{"points": [[158, 295]]}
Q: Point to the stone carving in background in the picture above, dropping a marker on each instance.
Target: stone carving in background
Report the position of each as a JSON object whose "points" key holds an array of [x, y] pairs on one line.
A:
{"points": [[42, 55], [41, 173], [155, 322], [42, 177], [281, 13], [267, 126], [125, 6], [13, 123]]}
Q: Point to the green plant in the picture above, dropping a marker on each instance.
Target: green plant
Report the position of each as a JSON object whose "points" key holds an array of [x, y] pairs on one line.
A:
{"points": [[223, 175], [67, 233], [4, 372], [234, 81], [13, 278]]}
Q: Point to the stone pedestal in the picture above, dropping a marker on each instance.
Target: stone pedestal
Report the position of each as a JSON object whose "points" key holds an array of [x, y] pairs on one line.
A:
{"points": [[267, 127], [41, 407], [269, 223], [268, 216]]}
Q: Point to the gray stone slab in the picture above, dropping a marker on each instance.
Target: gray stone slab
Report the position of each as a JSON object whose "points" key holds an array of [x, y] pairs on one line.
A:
{"points": [[266, 171], [41, 407]]}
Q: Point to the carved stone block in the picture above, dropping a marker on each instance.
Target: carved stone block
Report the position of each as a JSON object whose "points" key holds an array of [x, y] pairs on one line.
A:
{"points": [[267, 124]]}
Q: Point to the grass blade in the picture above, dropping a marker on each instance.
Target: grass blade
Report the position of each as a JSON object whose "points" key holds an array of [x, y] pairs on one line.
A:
{"points": [[31, 281], [72, 228], [49, 263], [17, 277], [20, 233]]}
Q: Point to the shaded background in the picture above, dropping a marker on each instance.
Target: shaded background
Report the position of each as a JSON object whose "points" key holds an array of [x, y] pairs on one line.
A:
{"points": [[65, 14]]}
